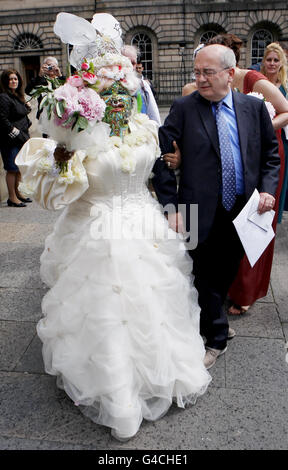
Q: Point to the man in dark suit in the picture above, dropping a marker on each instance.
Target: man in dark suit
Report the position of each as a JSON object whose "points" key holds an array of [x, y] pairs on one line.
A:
{"points": [[228, 149]]}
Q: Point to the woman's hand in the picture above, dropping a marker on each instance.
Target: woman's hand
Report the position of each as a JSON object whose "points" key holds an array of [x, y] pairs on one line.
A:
{"points": [[173, 160]]}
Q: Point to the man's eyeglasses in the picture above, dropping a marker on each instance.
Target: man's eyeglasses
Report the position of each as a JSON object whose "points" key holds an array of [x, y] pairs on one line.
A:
{"points": [[208, 73]]}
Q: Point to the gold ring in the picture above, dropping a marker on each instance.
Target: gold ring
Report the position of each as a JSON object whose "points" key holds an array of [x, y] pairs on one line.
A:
{"points": [[169, 164]]}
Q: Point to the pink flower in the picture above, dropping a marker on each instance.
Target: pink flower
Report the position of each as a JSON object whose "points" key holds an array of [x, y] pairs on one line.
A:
{"points": [[75, 81], [92, 106], [69, 94], [84, 66], [89, 77]]}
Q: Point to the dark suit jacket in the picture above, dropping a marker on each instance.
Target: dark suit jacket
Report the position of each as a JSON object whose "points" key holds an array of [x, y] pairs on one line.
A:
{"points": [[192, 124]]}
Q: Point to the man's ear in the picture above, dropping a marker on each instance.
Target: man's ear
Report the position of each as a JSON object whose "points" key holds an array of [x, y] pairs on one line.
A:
{"points": [[231, 74]]}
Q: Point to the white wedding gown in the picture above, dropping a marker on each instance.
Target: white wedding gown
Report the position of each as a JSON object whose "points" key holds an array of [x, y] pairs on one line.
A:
{"points": [[121, 318]]}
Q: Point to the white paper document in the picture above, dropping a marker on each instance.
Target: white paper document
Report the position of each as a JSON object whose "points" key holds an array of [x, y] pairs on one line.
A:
{"points": [[255, 230]]}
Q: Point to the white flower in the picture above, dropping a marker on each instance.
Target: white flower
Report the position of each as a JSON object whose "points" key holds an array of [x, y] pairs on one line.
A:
{"points": [[125, 151], [44, 165], [128, 165], [130, 139], [141, 118], [270, 109], [112, 59], [116, 141], [141, 137], [67, 177], [256, 95]]}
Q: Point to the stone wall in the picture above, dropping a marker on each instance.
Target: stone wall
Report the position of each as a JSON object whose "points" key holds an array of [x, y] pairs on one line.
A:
{"points": [[174, 27]]}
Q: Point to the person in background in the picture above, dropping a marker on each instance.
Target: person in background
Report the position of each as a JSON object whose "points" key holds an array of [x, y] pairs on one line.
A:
{"points": [[149, 105], [14, 132], [274, 67], [141, 73], [50, 69]]}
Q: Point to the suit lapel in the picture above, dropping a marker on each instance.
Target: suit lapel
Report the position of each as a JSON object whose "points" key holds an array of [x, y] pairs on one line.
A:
{"points": [[242, 119], [208, 121]]}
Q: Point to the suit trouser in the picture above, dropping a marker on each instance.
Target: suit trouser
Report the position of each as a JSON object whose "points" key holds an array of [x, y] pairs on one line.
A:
{"points": [[215, 264]]}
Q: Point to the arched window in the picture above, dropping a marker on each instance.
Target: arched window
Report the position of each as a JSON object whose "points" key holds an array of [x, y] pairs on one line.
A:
{"points": [[260, 40], [206, 36], [27, 41], [144, 45]]}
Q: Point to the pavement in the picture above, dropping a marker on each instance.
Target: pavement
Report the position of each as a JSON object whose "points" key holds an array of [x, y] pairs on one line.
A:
{"points": [[245, 407]]}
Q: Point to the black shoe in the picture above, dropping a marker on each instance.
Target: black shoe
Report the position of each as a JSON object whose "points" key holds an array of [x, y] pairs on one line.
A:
{"points": [[14, 204], [25, 199]]}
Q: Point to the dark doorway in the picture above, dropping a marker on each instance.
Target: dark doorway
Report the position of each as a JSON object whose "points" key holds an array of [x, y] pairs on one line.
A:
{"points": [[31, 67]]}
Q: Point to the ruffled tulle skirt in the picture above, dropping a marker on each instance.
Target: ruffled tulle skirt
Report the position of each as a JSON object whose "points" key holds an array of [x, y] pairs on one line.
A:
{"points": [[121, 320]]}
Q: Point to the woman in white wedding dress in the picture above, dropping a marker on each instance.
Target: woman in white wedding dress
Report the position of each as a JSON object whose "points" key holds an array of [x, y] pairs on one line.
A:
{"points": [[121, 319]]}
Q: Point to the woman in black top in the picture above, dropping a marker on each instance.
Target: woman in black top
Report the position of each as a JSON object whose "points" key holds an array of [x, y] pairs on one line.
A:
{"points": [[14, 125]]}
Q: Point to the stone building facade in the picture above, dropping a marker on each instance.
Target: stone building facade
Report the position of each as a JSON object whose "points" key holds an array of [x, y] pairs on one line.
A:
{"points": [[166, 33]]}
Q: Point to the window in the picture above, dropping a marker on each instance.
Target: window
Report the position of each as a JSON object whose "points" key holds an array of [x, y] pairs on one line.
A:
{"points": [[27, 41], [144, 45], [206, 36], [260, 41]]}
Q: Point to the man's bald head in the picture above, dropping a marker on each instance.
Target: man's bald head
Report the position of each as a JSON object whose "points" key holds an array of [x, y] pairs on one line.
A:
{"points": [[214, 69]]}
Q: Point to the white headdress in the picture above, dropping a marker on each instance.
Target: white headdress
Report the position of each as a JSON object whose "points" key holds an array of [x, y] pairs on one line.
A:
{"points": [[90, 40], [99, 42]]}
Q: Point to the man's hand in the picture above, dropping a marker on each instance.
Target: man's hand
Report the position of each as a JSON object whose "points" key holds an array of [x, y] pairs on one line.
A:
{"points": [[266, 203], [175, 222], [50, 71], [173, 160]]}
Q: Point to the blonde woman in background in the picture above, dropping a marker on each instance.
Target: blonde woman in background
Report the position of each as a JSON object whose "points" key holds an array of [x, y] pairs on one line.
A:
{"points": [[274, 67]]}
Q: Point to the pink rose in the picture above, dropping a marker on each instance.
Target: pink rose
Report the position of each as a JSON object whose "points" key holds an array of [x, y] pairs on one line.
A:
{"points": [[89, 77], [92, 106], [84, 66], [75, 80]]}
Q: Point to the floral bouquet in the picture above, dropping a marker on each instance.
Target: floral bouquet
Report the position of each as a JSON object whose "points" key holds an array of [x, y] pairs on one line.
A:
{"points": [[70, 107], [74, 104]]}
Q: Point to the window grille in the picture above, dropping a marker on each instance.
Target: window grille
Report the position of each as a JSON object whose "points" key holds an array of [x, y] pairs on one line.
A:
{"points": [[206, 36], [260, 41], [144, 45], [27, 41]]}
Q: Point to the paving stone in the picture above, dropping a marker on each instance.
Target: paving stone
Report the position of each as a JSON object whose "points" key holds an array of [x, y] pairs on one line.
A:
{"points": [[198, 426], [280, 289], [15, 338], [32, 360], [30, 214], [257, 419], [256, 363], [14, 232], [20, 265], [222, 419], [32, 407], [285, 330], [8, 443], [261, 320], [268, 298], [278, 275], [21, 304]]}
